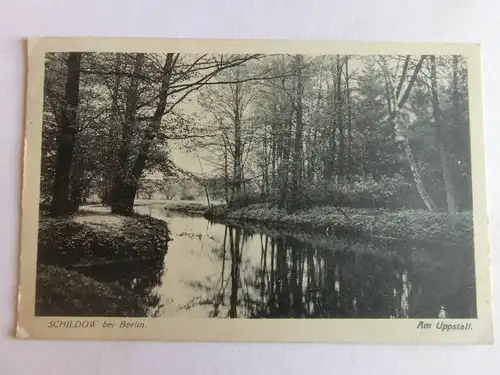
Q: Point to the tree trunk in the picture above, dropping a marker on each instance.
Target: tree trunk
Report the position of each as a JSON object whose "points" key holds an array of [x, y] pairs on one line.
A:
{"points": [[312, 157], [105, 191], [395, 118], [66, 137], [429, 203], [77, 184], [109, 175], [330, 152], [133, 176], [448, 183], [339, 119], [226, 176], [204, 184], [284, 140], [461, 141], [297, 149], [238, 143], [265, 171], [237, 157], [349, 120], [273, 161], [124, 189]]}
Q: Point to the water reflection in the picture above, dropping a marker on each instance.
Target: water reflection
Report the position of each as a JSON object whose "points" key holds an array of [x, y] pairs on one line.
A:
{"points": [[143, 278], [227, 271]]}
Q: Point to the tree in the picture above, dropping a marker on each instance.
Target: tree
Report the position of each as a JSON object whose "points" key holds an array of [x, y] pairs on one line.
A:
{"points": [[228, 106], [339, 121], [179, 77], [124, 187], [299, 126], [349, 117], [66, 137], [396, 101], [443, 153]]}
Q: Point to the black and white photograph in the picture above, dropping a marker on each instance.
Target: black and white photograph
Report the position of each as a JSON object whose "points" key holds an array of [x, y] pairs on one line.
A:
{"points": [[255, 186]]}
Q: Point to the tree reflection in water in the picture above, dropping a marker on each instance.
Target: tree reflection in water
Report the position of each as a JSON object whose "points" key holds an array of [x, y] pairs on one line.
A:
{"points": [[142, 278], [339, 278]]}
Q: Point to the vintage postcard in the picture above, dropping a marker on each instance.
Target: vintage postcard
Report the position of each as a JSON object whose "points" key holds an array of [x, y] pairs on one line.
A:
{"points": [[225, 190]]}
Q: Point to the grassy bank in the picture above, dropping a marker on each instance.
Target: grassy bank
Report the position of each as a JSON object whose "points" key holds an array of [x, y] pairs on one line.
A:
{"points": [[188, 207], [404, 224], [94, 241], [93, 238]]}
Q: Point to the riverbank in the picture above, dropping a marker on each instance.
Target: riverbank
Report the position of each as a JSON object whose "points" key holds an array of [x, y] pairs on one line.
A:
{"points": [[187, 207], [74, 252], [417, 225]]}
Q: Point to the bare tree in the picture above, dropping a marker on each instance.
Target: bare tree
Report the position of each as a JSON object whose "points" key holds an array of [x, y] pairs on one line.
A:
{"points": [[396, 100]]}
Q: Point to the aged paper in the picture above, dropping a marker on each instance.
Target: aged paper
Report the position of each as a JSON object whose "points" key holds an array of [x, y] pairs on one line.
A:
{"points": [[230, 190]]}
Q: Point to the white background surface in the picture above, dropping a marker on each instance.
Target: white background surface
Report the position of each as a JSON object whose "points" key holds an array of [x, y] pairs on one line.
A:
{"points": [[384, 20]]}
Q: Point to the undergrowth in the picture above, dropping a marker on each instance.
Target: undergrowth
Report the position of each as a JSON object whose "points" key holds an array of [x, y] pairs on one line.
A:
{"points": [[411, 224], [67, 242]]}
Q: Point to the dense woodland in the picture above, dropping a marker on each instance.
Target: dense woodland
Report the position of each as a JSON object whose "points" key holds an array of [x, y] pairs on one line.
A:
{"points": [[372, 149], [293, 131]]}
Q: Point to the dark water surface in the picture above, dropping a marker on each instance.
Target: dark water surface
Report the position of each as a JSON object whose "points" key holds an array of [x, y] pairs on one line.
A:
{"points": [[232, 271]]}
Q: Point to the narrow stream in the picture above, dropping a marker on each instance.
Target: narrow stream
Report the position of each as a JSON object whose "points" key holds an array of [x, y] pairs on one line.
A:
{"points": [[231, 271]]}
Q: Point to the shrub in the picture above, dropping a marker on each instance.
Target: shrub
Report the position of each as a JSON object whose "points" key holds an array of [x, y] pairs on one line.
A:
{"points": [[411, 224], [66, 242], [364, 192], [247, 199], [389, 192]]}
